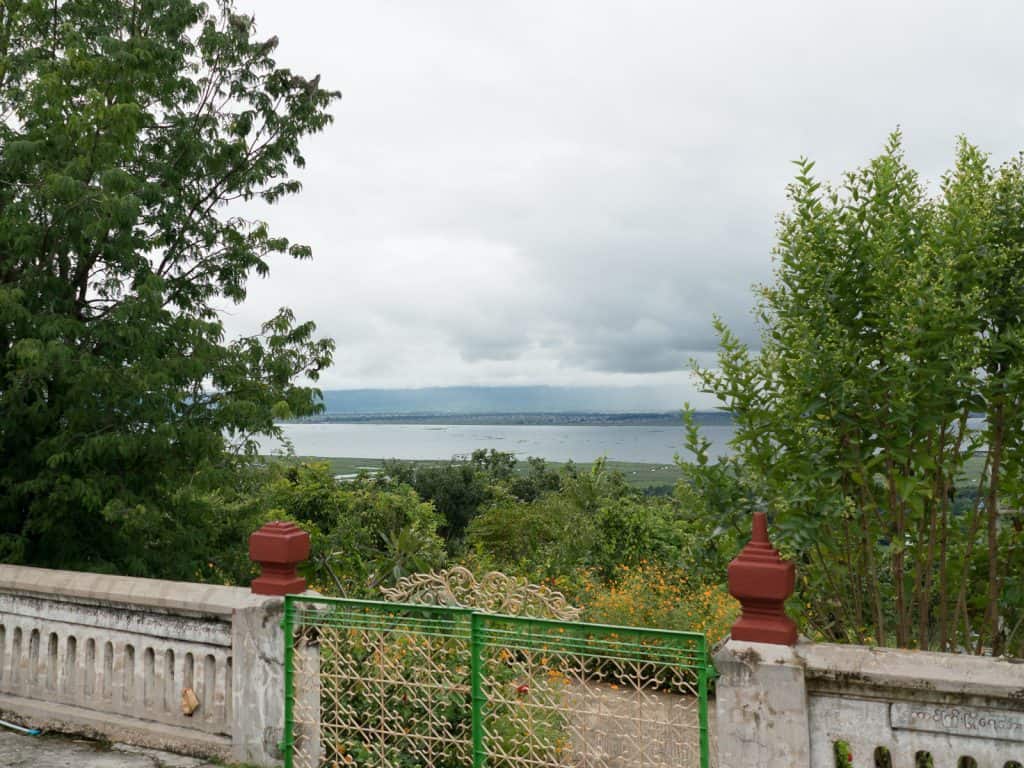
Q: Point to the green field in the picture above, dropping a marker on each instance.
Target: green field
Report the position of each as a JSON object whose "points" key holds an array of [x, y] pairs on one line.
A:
{"points": [[638, 475]]}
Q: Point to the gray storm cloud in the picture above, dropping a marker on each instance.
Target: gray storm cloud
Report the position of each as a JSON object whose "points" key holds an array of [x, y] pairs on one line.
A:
{"points": [[565, 193]]}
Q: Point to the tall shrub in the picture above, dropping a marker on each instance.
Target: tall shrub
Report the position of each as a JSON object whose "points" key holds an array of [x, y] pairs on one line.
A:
{"points": [[881, 418]]}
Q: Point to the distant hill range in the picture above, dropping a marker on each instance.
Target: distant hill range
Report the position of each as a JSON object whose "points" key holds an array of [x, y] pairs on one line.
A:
{"points": [[504, 405]]}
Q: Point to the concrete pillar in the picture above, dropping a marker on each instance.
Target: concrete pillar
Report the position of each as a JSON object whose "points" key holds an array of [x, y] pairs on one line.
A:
{"points": [[257, 645], [761, 706]]}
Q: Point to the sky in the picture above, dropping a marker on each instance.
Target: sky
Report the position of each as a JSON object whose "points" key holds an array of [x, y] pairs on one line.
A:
{"points": [[565, 192]]}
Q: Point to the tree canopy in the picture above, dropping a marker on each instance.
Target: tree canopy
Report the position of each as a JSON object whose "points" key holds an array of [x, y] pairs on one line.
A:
{"points": [[128, 130]]}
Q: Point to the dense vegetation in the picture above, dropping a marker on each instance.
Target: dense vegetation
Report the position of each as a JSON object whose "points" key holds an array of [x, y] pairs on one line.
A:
{"points": [[622, 554]]}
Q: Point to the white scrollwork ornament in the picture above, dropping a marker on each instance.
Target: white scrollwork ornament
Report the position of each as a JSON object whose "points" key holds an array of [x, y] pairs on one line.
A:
{"points": [[494, 592]]}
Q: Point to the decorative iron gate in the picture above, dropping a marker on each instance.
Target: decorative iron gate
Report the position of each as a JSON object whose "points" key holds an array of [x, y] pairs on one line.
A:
{"points": [[393, 685]]}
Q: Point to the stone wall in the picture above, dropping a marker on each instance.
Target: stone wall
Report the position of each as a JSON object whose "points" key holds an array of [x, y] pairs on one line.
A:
{"points": [[110, 656], [801, 706]]}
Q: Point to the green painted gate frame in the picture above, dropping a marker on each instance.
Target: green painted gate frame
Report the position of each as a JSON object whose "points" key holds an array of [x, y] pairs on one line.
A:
{"points": [[700, 664]]}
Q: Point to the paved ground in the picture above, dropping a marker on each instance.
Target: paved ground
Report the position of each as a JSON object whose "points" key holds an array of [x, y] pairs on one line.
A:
{"points": [[622, 727], [19, 751]]}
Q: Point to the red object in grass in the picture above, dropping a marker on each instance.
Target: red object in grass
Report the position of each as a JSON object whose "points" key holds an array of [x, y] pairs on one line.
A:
{"points": [[279, 548], [761, 581], [522, 689]]}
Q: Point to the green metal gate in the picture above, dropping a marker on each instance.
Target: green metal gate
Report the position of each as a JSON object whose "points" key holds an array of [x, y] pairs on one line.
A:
{"points": [[396, 685]]}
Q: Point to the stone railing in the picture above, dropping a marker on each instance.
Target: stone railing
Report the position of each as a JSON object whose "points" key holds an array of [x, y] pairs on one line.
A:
{"points": [[911, 708], [820, 705], [787, 704], [192, 668]]}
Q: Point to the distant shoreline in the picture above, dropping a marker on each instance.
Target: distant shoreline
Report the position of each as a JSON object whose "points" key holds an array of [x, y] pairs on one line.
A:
{"points": [[559, 419]]}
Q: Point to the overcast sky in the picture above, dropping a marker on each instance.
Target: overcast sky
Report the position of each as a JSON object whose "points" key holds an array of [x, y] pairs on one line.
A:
{"points": [[566, 191]]}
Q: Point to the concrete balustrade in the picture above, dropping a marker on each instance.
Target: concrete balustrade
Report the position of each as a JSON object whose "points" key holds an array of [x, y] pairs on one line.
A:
{"points": [[788, 704], [110, 656], [798, 707]]}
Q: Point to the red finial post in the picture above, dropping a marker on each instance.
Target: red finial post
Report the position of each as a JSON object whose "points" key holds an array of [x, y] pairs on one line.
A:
{"points": [[761, 581], [278, 548]]}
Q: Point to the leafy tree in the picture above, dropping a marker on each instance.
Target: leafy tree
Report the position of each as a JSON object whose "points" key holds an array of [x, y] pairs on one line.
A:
{"points": [[517, 536], [537, 480], [894, 318], [590, 490], [637, 530], [717, 499], [460, 487], [498, 465], [457, 489], [128, 126]]}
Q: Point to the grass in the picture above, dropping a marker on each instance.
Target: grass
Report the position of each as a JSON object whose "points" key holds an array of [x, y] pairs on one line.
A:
{"points": [[638, 475]]}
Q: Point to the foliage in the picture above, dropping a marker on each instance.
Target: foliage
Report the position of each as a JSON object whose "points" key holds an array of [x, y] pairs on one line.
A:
{"points": [[843, 754], [457, 490], [519, 536], [635, 530], [127, 127], [894, 319], [461, 488], [558, 531], [628, 558], [717, 499], [536, 481], [653, 594], [497, 465], [364, 534]]}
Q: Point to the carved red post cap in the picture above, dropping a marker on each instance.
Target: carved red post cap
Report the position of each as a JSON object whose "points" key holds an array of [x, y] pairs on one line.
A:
{"points": [[761, 581], [278, 548]]}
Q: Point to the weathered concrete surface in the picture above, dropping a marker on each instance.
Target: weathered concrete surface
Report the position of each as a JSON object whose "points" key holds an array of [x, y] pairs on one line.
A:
{"points": [[18, 751], [623, 727], [908, 702], [782, 707], [177, 597], [258, 644], [111, 656], [761, 702]]}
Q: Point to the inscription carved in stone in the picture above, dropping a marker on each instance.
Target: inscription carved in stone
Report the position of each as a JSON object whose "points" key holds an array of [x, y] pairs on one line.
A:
{"points": [[959, 721]]}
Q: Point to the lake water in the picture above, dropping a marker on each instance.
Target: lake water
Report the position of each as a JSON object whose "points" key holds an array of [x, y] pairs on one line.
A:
{"points": [[654, 445]]}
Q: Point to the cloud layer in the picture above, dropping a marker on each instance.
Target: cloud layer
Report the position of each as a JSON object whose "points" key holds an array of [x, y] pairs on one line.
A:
{"points": [[565, 193]]}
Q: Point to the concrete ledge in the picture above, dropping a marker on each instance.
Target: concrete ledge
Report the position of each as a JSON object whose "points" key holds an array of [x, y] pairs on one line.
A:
{"points": [[891, 669], [102, 725], [157, 594]]}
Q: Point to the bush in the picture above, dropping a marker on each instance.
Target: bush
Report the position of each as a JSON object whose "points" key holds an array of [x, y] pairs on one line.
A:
{"points": [[593, 519], [886, 378], [634, 530], [656, 595]]}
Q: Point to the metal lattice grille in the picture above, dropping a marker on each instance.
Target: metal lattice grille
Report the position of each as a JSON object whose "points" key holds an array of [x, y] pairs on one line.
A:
{"points": [[394, 686]]}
